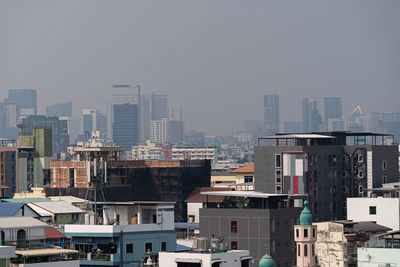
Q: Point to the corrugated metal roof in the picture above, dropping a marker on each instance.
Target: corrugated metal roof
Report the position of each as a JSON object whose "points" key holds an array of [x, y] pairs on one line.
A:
{"points": [[57, 207], [26, 200], [20, 222], [39, 210], [9, 209], [68, 199]]}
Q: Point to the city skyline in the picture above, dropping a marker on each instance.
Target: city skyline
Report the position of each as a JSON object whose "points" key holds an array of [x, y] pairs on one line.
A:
{"points": [[226, 62]]}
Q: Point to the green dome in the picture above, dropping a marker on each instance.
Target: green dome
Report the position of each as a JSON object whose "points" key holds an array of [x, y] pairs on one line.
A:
{"points": [[266, 261], [305, 216]]}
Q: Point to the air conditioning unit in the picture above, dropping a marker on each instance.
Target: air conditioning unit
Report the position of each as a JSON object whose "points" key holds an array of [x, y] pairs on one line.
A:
{"points": [[202, 244]]}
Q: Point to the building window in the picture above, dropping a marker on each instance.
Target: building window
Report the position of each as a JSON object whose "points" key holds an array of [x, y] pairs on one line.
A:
{"points": [[278, 189], [384, 165], [305, 232], [234, 226], [313, 232], [191, 218], [298, 250], [372, 210], [360, 158], [297, 232], [163, 246], [278, 180], [248, 179], [305, 250], [129, 248], [234, 245], [312, 250], [384, 179], [277, 160], [360, 174], [148, 247], [360, 189], [278, 176]]}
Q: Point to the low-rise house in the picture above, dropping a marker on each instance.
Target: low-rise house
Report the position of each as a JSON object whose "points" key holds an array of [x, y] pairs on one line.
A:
{"points": [[222, 179], [27, 235], [152, 231], [60, 212], [15, 209], [75, 201], [244, 177]]}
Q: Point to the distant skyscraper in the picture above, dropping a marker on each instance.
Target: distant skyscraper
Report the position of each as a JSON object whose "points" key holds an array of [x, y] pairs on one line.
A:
{"points": [[59, 110], [332, 108], [126, 125], [144, 115], [271, 113], [118, 95], [25, 100], [158, 131], [59, 130], [89, 120], [159, 105], [312, 119], [2, 120], [175, 131]]}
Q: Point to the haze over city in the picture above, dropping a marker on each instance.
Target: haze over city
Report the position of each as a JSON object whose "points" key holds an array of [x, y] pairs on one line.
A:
{"points": [[216, 59]]}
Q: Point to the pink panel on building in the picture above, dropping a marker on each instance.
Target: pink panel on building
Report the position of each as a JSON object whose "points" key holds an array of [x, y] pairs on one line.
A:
{"points": [[295, 184]]}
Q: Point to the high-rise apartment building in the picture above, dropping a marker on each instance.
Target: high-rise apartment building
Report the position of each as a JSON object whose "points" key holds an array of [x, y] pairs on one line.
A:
{"points": [[312, 118], [159, 105], [59, 110], [158, 131], [332, 108], [89, 120], [328, 167], [125, 125], [271, 113], [175, 131]]}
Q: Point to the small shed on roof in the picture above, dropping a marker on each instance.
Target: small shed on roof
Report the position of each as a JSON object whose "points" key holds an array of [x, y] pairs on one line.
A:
{"points": [[57, 207]]}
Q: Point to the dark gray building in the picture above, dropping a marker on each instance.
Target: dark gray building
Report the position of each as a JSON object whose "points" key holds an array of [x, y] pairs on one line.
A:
{"points": [[126, 125], [59, 109], [8, 173], [326, 166], [253, 221], [59, 130], [332, 108], [159, 105]]}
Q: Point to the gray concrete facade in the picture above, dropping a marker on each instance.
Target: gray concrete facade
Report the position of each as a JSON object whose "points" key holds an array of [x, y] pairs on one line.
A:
{"points": [[256, 230], [335, 171]]}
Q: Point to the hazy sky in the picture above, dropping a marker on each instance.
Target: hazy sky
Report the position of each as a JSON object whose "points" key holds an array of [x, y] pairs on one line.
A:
{"points": [[215, 58]]}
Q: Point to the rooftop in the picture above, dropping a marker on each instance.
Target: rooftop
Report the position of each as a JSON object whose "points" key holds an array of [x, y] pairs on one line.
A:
{"points": [[22, 222], [245, 169], [26, 200], [9, 209], [197, 196], [58, 207]]}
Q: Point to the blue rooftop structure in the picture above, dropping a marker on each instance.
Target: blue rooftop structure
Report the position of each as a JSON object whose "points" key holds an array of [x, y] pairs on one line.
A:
{"points": [[10, 209]]}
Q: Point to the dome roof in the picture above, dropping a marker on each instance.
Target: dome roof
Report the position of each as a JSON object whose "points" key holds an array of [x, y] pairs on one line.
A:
{"points": [[266, 261], [305, 216]]}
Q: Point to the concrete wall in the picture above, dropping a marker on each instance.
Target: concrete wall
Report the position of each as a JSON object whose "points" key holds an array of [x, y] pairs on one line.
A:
{"points": [[378, 257], [330, 244], [193, 209], [387, 211]]}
